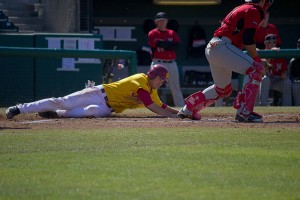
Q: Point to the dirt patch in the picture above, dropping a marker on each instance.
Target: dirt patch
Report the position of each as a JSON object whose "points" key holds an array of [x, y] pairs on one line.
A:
{"points": [[32, 121]]}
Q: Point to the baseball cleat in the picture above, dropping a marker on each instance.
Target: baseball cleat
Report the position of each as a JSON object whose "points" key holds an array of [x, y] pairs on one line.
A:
{"points": [[252, 117], [256, 114], [48, 114], [12, 111], [191, 115]]}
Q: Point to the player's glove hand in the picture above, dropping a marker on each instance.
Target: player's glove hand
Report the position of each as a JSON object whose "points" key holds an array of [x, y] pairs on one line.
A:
{"points": [[90, 84], [268, 66]]}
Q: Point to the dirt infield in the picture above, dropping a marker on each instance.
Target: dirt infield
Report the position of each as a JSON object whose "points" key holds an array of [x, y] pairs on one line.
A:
{"points": [[146, 120]]}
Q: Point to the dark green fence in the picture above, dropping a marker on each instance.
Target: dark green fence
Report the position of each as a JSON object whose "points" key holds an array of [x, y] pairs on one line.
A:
{"points": [[35, 66]]}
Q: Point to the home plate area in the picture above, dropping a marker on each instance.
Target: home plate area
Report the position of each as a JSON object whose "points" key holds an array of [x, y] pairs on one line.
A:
{"points": [[32, 121]]}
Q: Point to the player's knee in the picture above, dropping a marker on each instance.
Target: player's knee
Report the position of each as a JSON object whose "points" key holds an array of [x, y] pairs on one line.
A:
{"points": [[224, 92], [96, 111], [255, 72], [92, 111]]}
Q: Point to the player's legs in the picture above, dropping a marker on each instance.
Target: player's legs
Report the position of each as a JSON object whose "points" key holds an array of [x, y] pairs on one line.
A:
{"points": [[245, 100], [174, 84], [264, 91], [78, 99], [284, 86], [296, 93], [88, 111], [220, 52], [221, 73], [89, 102]]}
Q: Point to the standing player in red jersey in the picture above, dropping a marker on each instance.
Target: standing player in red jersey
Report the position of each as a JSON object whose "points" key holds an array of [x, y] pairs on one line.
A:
{"points": [[265, 29], [225, 55], [163, 43]]}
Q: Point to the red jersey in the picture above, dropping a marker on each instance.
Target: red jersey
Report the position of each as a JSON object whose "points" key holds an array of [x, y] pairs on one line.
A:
{"points": [[279, 66], [156, 35], [248, 15], [261, 33]]}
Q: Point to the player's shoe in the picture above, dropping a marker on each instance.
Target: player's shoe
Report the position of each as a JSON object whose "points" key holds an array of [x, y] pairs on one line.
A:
{"points": [[256, 114], [49, 114], [12, 111], [189, 114], [251, 118]]}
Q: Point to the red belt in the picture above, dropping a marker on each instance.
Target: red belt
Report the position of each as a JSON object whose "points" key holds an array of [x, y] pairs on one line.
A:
{"points": [[106, 99]]}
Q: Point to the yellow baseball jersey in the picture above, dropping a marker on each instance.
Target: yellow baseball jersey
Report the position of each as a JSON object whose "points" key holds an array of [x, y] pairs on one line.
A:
{"points": [[123, 95]]}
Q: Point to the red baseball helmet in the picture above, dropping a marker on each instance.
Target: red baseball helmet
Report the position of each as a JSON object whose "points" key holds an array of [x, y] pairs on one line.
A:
{"points": [[158, 70]]}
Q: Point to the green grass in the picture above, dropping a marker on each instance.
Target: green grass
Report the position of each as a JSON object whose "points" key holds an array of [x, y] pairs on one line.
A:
{"points": [[156, 163]]}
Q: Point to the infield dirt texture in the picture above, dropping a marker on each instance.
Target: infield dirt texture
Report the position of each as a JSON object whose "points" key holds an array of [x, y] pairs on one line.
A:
{"points": [[279, 117]]}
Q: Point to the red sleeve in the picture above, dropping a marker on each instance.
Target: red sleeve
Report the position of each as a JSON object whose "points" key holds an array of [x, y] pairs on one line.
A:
{"points": [[144, 96], [163, 105]]}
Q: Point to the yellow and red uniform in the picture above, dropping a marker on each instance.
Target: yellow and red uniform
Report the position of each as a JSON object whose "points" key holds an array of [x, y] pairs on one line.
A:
{"points": [[123, 94]]}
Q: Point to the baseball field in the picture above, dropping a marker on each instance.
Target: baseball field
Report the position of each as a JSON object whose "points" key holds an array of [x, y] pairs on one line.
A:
{"points": [[137, 155]]}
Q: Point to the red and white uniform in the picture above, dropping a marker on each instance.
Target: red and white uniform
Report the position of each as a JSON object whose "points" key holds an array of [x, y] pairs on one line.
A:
{"points": [[224, 54], [242, 17], [275, 81], [279, 66], [166, 56], [261, 33], [156, 35]]}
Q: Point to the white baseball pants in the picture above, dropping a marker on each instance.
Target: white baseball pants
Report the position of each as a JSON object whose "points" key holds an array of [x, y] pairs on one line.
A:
{"points": [[89, 102]]}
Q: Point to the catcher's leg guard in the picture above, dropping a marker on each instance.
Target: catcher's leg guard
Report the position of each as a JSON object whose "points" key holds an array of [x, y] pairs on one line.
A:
{"points": [[245, 99], [198, 101], [192, 104]]}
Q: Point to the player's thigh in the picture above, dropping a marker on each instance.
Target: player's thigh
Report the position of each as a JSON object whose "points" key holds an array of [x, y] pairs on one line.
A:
{"points": [[221, 75], [230, 57], [83, 98]]}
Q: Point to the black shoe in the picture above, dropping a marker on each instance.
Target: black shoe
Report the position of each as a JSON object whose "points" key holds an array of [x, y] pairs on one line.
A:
{"points": [[49, 114], [255, 118], [256, 114], [12, 111]]}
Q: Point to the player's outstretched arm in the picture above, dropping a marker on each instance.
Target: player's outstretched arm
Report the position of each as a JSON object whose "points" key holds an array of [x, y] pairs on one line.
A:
{"points": [[160, 111], [172, 110]]}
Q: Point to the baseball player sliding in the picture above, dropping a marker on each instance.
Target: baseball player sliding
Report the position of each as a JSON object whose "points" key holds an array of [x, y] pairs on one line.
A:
{"points": [[139, 90], [225, 55]]}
